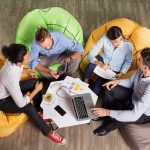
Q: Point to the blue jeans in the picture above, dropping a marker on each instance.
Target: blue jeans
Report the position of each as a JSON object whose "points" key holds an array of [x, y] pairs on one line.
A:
{"points": [[99, 81]]}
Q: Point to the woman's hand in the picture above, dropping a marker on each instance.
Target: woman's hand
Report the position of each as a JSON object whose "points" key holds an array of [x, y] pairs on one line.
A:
{"points": [[32, 74], [111, 84], [54, 75], [100, 112], [105, 66], [118, 75], [39, 86]]}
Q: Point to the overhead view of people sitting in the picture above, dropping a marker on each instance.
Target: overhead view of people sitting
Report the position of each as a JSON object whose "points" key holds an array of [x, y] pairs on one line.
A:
{"points": [[81, 88], [114, 45], [53, 47], [14, 97], [126, 101]]}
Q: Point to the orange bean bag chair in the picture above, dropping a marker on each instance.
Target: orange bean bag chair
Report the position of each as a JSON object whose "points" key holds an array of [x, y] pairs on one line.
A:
{"points": [[138, 35], [10, 122], [137, 136]]}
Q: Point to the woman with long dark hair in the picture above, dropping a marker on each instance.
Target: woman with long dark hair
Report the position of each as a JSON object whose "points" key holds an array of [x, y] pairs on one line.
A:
{"points": [[13, 97], [117, 56]]}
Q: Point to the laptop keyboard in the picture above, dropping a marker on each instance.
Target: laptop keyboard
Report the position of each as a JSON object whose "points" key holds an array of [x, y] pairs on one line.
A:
{"points": [[80, 107]]}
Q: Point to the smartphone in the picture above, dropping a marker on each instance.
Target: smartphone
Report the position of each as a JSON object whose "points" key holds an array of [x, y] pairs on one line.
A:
{"points": [[60, 110]]}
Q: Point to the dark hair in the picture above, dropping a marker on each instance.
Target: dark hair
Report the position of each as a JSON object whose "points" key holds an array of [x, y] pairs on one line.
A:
{"points": [[41, 34], [145, 53], [114, 32], [14, 52]]}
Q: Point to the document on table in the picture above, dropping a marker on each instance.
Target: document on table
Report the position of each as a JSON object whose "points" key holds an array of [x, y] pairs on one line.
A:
{"points": [[74, 85], [107, 74]]}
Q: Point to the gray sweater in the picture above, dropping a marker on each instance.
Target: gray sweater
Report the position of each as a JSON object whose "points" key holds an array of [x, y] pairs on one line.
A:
{"points": [[140, 98]]}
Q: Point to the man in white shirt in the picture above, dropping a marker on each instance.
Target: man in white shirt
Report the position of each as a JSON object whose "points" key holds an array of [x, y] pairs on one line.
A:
{"points": [[135, 91]]}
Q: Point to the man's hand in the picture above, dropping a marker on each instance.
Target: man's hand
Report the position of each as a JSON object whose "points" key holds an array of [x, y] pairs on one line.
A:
{"points": [[66, 59], [100, 112], [32, 74], [111, 84], [56, 76], [118, 75]]}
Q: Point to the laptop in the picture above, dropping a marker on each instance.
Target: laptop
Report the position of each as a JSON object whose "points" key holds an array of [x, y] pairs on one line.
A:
{"points": [[82, 104]]}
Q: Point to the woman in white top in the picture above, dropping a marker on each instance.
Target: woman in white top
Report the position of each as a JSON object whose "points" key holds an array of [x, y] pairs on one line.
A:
{"points": [[12, 92]]}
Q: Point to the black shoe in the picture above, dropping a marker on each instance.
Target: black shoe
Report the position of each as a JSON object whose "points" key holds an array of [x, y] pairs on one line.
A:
{"points": [[97, 119], [101, 131]]}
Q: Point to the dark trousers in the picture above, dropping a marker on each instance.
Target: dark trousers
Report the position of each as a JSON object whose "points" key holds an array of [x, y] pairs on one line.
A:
{"points": [[7, 105], [120, 98], [99, 81]]}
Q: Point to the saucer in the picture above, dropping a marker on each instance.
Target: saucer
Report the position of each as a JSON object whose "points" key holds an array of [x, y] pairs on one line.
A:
{"points": [[46, 102]]}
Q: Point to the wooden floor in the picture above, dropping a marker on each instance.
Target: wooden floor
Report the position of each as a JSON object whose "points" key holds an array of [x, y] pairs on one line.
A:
{"points": [[91, 14]]}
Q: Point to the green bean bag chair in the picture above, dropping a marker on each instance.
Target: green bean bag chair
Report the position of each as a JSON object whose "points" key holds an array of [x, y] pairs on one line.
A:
{"points": [[54, 18]]}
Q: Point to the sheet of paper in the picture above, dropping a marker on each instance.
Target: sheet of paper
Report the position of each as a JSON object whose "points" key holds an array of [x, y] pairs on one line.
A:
{"points": [[74, 85], [107, 74]]}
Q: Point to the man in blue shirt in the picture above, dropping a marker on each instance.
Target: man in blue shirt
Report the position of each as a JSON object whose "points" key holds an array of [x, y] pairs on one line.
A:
{"points": [[51, 47]]}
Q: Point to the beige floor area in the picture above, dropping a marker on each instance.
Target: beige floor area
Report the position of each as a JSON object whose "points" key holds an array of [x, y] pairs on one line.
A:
{"points": [[90, 14]]}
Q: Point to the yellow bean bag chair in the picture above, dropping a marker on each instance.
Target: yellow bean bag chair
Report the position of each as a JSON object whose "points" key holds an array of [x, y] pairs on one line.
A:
{"points": [[10, 122], [138, 35]]}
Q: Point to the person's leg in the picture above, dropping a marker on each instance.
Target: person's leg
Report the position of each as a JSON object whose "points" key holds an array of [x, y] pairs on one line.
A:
{"points": [[98, 84], [7, 105], [28, 86], [114, 124], [117, 98], [89, 69], [46, 62], [72, 66]]}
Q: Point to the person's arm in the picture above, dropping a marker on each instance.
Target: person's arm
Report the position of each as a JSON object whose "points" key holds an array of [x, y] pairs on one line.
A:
{"points": [[140, 107], [123, 82], [129, 82], [34, 61], [34, 55], [41, 68], [95, 50], [128, 60], [71, 45], [29, 72], [38, 87], [13, 87], [75, 55]]}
